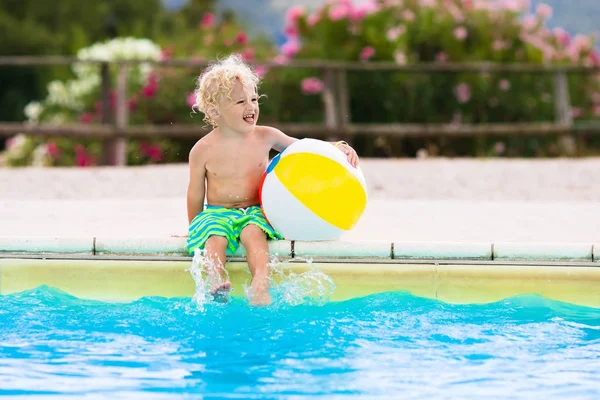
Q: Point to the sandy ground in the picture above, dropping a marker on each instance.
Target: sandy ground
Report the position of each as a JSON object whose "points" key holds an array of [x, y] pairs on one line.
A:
{"points": [[409, 200]]}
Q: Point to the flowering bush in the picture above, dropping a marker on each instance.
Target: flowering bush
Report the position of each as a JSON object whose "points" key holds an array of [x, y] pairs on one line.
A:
{"points": [[441, 31], [155, 96]]}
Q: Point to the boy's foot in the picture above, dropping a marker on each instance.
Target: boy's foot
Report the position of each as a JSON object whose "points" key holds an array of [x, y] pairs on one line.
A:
{"points": [[221, 291], [260, 298]]}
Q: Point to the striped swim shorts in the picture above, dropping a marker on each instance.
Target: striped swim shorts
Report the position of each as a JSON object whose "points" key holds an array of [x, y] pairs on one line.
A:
{"points": [[226, 222]]}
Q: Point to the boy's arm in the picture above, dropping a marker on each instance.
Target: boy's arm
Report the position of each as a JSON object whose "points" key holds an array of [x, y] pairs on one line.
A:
{"points": [[196, 187], [279, 141]]}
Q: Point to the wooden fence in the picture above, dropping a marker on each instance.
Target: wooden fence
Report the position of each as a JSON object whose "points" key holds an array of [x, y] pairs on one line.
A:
{"points": [[115, 130]]}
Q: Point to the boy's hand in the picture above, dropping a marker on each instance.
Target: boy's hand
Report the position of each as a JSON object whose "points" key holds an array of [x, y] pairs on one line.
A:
{"points": [[349, 152]]}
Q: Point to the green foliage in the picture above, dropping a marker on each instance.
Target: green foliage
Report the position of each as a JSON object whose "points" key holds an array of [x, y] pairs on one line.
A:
{"points": [[438, 31]]}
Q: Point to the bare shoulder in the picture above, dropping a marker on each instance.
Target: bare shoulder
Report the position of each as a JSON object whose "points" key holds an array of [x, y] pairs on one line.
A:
{"points": [[277, 139], [199, 150]]}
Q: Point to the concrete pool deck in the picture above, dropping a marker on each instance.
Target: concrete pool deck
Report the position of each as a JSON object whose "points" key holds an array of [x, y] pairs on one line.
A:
{"points": [[525, 207]]}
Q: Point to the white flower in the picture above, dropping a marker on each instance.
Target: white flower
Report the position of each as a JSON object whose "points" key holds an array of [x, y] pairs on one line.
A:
{"points": [[33, 111], [41, 158], [15, 146], [70, 95]]}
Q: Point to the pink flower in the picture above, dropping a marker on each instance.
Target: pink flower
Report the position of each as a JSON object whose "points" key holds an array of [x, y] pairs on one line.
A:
{"points": [[462, 92], [242, 38], [312, 85], [524, 5], [441, 57], [596, 98], [562, 36], [86, 118], [511, 5], [151, 87], [294, 13], [366, 53], [498, 45], [504, 84], [499, 148], [339, 11], [153, 152], [460, 33], [52, 150], [132, 103], [280, 59], [400, 58], [576, 112], [208, 20], [291, 31], [408, 15], [313, 19], [290, 48], [261, 71], [248, 55], [394, 33], [544, 11], [456, 12], [530, 22], [167, 53], [468, 4], [82, 157], [597, 111], [363, 9], [427, 3], [191, 99], [582, 41]]}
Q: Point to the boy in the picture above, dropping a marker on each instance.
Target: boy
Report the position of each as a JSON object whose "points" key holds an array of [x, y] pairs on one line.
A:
{"points": [[226, 166]]}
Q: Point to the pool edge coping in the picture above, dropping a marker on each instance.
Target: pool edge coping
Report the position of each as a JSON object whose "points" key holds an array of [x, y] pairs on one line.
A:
{"points": [[174, 248]]}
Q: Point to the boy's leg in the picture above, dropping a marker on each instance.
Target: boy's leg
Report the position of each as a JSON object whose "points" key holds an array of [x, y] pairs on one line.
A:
{"points": [[257, 254], [216, 247]]}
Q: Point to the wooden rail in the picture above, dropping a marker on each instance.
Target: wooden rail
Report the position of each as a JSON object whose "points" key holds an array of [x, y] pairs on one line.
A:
{"points": [[115, 129]]}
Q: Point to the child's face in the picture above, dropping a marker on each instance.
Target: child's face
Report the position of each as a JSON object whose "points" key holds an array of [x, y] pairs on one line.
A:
{"points": [[240, 111]]}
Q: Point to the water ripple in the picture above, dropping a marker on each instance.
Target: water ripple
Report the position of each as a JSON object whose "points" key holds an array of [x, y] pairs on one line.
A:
{"points": [[385, 345]]}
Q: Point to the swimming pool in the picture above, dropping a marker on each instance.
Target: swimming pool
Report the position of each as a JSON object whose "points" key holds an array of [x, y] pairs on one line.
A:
{"points": [[130, 328]]}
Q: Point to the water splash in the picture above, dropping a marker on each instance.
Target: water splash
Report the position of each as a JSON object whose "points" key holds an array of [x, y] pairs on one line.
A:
{"points": [[206, 273], [309, 287], [312, 287]]}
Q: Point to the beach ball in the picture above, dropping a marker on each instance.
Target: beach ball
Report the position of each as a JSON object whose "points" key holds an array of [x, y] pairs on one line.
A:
{"points": [[311, 192]]}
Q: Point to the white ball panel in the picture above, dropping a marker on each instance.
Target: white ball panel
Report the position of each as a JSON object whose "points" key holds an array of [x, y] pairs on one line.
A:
{"points": [[290, 217]]}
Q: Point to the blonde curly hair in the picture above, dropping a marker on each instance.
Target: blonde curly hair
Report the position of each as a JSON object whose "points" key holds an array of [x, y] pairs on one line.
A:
{"points": [[218, 79]]}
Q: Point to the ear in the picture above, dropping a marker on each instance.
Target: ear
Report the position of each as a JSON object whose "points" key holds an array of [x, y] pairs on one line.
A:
{"points": [[212, 111]]}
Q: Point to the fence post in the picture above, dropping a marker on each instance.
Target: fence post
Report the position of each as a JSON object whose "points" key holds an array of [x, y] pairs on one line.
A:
{"points": [[106, 111], [329, 101], [122, 117], [562, 111], [344, 106]]}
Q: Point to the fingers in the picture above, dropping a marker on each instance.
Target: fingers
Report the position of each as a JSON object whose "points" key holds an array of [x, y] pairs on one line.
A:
{"points": [[352, 157], [350, 153]]}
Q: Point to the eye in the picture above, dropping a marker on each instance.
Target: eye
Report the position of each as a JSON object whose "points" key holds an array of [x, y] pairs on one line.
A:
{"points": [[240, 102], [254, 99]]}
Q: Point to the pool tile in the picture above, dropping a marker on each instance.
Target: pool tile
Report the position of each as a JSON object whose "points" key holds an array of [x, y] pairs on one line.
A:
{"points": [[443, 250], [480, 284], [98, 279], [47, 244], [342, 249], [596, 252], [152, 246], [509, 251]]}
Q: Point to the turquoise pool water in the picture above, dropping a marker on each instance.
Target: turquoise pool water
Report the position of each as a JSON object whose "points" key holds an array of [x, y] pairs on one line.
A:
{"points": [[385, 345]]}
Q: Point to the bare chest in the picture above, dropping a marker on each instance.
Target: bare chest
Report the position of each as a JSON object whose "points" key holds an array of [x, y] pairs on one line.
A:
{"points": [[236, 162]]}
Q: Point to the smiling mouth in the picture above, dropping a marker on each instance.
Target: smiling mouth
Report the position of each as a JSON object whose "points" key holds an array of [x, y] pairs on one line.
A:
{"points": [[249, 118]]}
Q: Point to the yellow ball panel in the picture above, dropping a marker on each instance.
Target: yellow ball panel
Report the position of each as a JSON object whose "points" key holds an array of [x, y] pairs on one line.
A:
{"points": [[324, 186]]}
